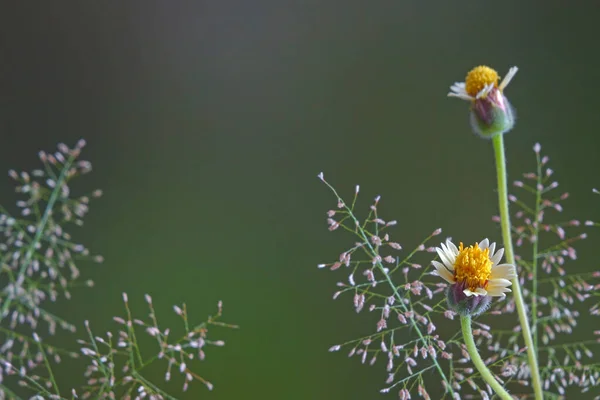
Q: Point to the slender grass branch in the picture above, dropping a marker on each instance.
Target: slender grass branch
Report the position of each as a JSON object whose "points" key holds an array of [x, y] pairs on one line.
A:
{"points": [[151, 385], [362, 234], [9, 393], [40, 228], [534, 266], [48, 368]]}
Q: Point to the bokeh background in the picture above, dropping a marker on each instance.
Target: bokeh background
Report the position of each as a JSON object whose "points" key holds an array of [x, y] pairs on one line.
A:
{"points": [[208, 122]]}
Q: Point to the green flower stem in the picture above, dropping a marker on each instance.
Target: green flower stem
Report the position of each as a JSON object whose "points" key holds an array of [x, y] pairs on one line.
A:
{"points": [[498, 142], [465, 323]]}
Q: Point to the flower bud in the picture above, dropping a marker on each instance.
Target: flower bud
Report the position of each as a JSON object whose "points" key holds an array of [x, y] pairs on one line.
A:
{"points": [[463, 304], [492, 114]]}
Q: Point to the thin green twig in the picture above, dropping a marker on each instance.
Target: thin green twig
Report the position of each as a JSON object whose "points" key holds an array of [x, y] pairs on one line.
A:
{"points": [[398, 296], [534, 266]]}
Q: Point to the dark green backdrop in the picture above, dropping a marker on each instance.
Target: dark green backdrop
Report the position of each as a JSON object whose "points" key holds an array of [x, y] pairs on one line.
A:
{"points": [[207, 124]]}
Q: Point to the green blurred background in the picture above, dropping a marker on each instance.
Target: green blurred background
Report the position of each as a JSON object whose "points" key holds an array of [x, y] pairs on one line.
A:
{"points": [[207, 123]]}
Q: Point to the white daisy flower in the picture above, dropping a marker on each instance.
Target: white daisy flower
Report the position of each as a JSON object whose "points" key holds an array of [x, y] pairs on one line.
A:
{"points": [[475, 270], [491, 112], [479, 83]]}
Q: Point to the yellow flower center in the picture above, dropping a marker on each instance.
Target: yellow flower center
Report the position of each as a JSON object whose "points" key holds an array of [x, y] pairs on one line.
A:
{"points": [[473, 266], [480, 77]]}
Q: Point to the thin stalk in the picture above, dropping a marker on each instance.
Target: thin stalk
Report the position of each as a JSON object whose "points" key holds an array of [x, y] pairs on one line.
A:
{"points": [[465, 323], [151, 385], [534, 266], [49, 369], [498, 142], [10, 393]]}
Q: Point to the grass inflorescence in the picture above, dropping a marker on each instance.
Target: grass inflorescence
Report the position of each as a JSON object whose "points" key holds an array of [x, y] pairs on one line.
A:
{"points": [[39, 264]]}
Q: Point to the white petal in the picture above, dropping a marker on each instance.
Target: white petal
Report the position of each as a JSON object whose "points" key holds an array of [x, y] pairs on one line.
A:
{"points": [[498, 291], [498, 282], [511, 73], [492, 248], [498, 288], [485, 91], [458, 88], [461, 96], [437, 264], [477, 292], [484, 244], [497, 257], [503, 271], [448, 243], [447, 259], [452, 247], [445, 248], [443, 272]]}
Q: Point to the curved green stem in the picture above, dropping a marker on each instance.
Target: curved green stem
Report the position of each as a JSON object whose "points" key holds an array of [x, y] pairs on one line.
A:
{"points": [[465, 323], [498, 142]]}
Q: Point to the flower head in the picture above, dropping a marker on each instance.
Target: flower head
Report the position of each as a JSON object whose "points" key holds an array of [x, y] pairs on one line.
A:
{"points": [[474, 273], [491, 113]]}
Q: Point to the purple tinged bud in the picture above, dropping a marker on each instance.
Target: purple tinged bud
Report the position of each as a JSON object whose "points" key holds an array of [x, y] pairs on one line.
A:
{"points": [[492, 115], [466, 305]]}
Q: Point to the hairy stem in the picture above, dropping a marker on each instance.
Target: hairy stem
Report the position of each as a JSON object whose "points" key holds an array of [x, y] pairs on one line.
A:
{"points": [[465, 323], [498, 142]]}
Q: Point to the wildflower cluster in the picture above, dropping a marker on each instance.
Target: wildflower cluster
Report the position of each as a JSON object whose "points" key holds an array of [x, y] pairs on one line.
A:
{"points": [[536, 355]]}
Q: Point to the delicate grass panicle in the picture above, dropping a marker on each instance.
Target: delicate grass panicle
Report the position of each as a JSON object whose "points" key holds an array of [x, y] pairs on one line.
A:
{"points": [[409, 304], [116, 360], [40, 263], [555, 291], [39, 260], [537, 356]]}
